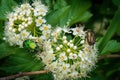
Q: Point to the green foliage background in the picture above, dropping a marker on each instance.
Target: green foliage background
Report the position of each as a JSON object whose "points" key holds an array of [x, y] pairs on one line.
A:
{"points": [[104, 13]]}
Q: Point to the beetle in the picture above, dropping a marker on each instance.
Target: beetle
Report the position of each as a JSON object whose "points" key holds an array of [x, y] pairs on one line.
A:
{"points": [[90, 37], [31, 46]]}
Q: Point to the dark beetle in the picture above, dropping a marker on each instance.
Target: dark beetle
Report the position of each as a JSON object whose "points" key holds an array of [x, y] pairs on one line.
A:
{"points": [[90, 37]]}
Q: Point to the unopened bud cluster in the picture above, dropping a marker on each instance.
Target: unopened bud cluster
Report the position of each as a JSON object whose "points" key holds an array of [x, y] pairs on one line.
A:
{"points": [[27, 22], [69, 57]]}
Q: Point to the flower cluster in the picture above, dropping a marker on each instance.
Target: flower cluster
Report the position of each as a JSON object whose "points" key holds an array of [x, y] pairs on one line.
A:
{"points": [[67, 54], [64, 51], [27, 22]]}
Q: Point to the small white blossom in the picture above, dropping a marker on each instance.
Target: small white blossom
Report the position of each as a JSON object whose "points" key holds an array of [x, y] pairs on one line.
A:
{"points": [[65, 68], [71, 45], [65, 41], [40, 10], [57, 48], [63, 56], [75, 47], [68, 50], [78, 31], [64, 37], [56, 32], [72, 56], [40, 21], [82, 41], [61, 46], [24, 34], [46, 28]]}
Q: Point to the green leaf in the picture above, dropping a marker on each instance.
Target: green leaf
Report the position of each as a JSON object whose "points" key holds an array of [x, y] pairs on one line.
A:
{"points": [[6, 50], [82, 18], [75, 11], [59, 4], [55, 17], [1, 29], [116, 2], [5, 7], [18, 60], [111, 46], [114, 25], [118, 31], [107, 8], [78, 11]]}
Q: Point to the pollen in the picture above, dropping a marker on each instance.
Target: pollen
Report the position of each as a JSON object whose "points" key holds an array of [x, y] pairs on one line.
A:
{"points": [[46, 28], [40, 21]]}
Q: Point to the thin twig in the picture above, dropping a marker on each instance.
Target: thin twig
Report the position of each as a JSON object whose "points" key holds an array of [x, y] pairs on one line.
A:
{"points": [[23, 74], [43, 71], [109, 56]]}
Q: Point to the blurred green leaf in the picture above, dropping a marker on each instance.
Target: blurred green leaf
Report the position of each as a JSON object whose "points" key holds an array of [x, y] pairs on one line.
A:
{"points": [[111, 30], [78, 11], [97, 77], [82, 18], [5, 7], [74, 12], [116, 2], [54, 17], [1, 30], [107, 8], [59, 4], [19, 60], [118, 31], [6, 50], [111, 46]]}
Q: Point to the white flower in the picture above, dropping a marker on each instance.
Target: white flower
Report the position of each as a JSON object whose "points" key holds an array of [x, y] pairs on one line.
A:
{"points": [[57, 48], [45, 36], [14, 30], [71, 45], [72, 56], [65, 68], [74, 47], [40, 10], [36, 3], [74, 74], [82, 41], [65, 41], [56, 32], [63, 56], [54, 67], [82, 55], [16, 39], [47, 60], [64, 37], [24, 34], [50, 51], [61, 46], [39, 21], [45, 28], [10, 15], [68, 50], [78, 31], [66, 29], [25, 6]]}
